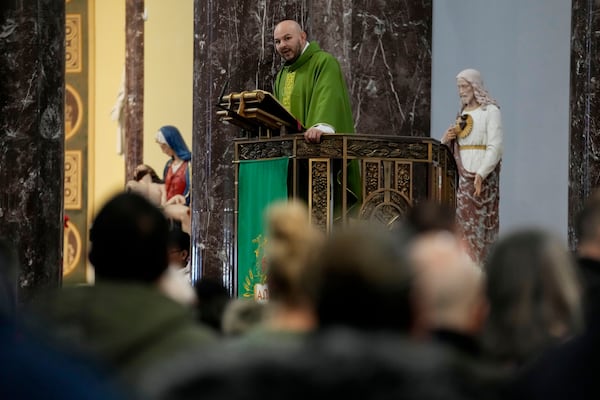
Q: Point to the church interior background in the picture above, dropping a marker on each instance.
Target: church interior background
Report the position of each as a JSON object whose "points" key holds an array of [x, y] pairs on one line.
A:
{"points": [[400, 59]]}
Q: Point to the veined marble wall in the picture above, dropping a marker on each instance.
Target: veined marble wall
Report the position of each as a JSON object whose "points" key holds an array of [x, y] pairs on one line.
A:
{"points": [[32, 67], [584, 163], [384, 48], [134, 81]]}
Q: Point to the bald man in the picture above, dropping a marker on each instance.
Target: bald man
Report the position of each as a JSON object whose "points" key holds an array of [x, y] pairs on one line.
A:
{"points": [[311, 86], [449, 290]]}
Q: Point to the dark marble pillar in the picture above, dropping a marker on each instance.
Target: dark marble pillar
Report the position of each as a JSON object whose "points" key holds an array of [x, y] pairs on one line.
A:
{"points": [[32, 67], [134, 85], [584, 161], [391, 67], [384, 49]]}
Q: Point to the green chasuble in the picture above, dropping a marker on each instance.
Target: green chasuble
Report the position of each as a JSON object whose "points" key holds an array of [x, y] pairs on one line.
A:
{"points": [[313, 89]]}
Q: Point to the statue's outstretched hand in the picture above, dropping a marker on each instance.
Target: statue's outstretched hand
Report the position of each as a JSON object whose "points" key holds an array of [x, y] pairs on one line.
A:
{"points": [[449, 135]]}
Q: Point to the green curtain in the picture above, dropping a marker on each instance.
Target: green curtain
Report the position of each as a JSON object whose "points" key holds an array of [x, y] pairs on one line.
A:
{"points": [[260, 183]]}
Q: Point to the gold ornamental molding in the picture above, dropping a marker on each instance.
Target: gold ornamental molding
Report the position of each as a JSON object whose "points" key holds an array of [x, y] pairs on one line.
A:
{"points": [[71, 247], [319, 183], [73, 111], [73, 179], [73, 47]]}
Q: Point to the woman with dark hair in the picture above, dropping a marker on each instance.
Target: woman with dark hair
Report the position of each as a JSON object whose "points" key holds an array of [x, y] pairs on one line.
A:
{"points": [[534, 296], [176, 174]]}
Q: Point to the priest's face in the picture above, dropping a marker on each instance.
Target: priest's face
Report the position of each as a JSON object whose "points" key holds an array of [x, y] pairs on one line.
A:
{"points": [[289, 40]]}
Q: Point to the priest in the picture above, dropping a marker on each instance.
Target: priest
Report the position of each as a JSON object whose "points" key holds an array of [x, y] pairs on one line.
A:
{"points": [[311, 87]]}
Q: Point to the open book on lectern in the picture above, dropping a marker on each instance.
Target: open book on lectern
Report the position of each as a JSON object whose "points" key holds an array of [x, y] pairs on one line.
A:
{"points": [[258, 113]]}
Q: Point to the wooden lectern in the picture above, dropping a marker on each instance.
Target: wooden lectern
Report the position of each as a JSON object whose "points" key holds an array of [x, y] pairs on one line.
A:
{"points": [[258, 113]]}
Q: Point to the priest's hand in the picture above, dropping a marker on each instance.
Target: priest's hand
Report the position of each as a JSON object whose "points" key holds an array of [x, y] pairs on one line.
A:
{"points": [[313, 135], [478, 181]]}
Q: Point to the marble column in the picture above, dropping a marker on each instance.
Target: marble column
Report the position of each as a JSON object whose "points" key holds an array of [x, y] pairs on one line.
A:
{"points": [[584, 159], [32, 67], [134, 85], [384, 48], [391, 85]]}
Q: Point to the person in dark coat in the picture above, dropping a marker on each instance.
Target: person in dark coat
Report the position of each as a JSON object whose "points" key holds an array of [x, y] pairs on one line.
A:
{"points": [[123, 320]]}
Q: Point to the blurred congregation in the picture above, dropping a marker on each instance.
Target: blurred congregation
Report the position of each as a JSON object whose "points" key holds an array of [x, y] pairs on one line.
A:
{"points": [[365, 312]]}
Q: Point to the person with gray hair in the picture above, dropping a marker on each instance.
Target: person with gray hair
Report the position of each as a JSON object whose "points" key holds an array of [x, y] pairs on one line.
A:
{"points": [[449, 291], [475, 141]]}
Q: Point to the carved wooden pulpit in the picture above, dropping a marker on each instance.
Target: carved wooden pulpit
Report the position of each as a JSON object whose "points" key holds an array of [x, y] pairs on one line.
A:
{"points": [[395, 173]]}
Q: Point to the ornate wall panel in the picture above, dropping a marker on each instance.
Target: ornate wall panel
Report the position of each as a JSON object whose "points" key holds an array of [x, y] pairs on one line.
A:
{"points": [[76, 143]]}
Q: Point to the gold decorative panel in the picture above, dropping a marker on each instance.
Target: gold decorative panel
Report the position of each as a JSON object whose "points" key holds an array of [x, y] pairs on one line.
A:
{"points": [[73, 111], [77, 140], [371, 176], [404, 178], [319, 189], [72, 247], [385, 207], [73, 179], [73, 47]]}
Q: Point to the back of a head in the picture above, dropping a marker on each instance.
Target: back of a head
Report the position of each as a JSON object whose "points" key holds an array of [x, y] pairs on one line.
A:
{"points": [[241, 315], [292, 244], [129, 240], [178, 239], [533, 293], [213, 297], [449, 286], [430, 216], [363, 280]]}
